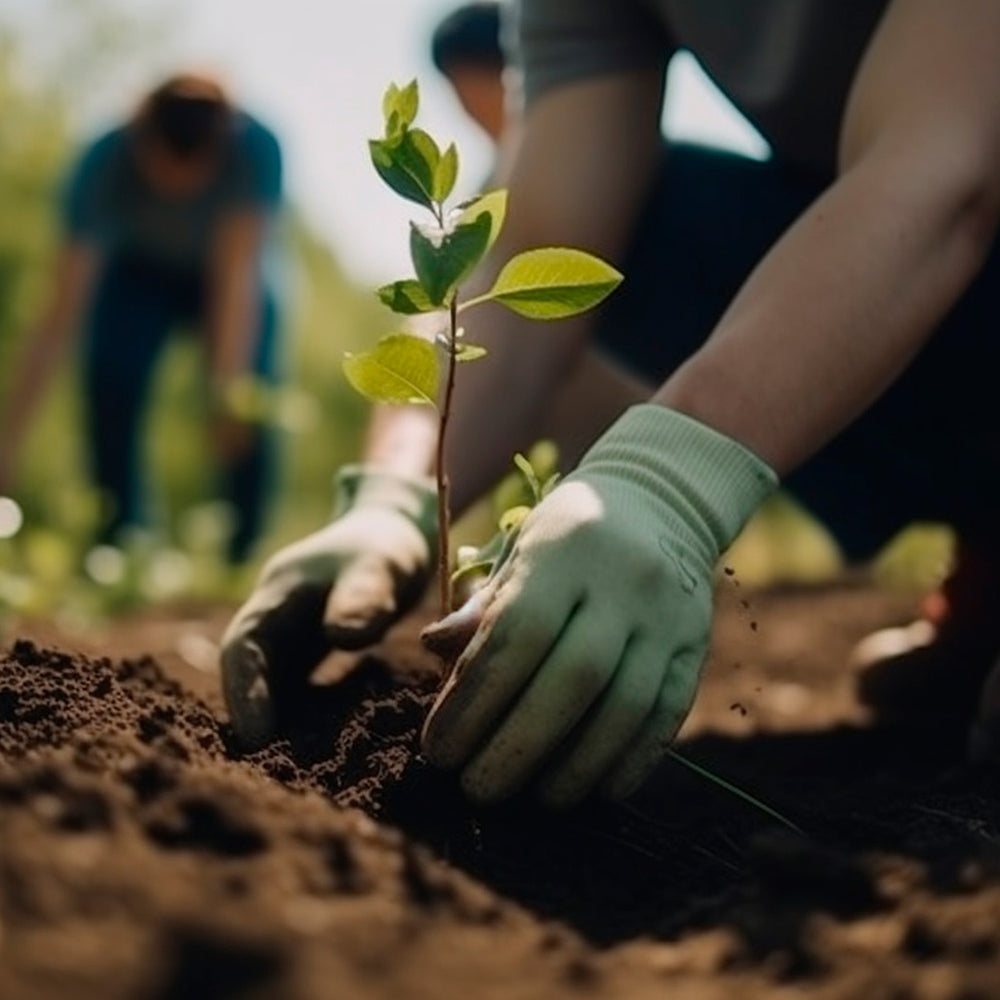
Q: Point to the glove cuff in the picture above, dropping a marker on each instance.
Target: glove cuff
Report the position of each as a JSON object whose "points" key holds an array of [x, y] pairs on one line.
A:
{"points": [[369, 486], [711, 481]]}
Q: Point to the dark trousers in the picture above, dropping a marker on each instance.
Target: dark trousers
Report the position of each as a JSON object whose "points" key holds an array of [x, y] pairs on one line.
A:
{"points": [[928, 449], [136, 306]]}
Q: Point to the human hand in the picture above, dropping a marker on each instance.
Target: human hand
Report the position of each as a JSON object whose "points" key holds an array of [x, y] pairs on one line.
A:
{"points": [[339, 588], [587, 643], [984, 736]]}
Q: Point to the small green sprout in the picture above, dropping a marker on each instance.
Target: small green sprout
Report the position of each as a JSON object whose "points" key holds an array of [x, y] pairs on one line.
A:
{"points": [[542, 283]]}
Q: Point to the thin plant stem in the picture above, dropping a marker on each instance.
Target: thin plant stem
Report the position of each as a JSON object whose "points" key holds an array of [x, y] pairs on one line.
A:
{"points": [[443, 486], [733, 790]]}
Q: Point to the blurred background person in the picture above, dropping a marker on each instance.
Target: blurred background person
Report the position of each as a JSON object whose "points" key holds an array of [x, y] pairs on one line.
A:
{"points": [[466, 50], [168, 220]]}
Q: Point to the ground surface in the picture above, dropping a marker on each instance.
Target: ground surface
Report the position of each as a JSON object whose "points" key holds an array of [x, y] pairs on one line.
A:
{"points": [[141, 860]]}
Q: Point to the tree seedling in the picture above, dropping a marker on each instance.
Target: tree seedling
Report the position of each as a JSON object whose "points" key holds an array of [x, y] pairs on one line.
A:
{"points": [[545, 283]]}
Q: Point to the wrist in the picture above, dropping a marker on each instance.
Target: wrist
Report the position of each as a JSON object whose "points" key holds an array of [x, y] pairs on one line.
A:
{"points": [[415, 497], [708, 483]]}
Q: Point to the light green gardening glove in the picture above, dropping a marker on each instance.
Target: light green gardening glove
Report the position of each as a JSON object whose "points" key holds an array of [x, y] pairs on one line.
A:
{"points": [[590, 637], [338, 588]]}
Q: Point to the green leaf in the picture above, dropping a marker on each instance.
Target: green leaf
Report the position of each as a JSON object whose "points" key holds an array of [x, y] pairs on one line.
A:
{"points": [[400, 369], [469, 352], [408, 164], [423, 150], [442, 259], [399, 107], [406, 297], [480, 567], [550, 484], [544, 458], [552, 283], [446, 173], [494, 202], [529, 474], [513, 518], [389, 99]]}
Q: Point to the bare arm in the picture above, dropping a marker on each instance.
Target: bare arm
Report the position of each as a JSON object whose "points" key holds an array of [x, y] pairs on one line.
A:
{"points": [[853, 290], [234, 300], [73, 279], [583, 161]]}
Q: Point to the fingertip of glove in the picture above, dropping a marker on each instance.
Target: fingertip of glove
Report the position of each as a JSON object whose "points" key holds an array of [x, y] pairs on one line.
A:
{"points": [[621, 786], [433, 746], [558, 797], [984, 742], [448, 637], [437, 739], [479, 788], [247, 694], [354, 634]]}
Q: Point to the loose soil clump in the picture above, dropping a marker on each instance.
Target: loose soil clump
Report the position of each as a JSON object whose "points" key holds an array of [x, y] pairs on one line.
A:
{"points": [[142, 857]]}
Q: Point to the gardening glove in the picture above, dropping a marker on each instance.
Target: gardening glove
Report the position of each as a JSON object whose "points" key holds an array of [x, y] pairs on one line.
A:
{"points": [[588, 641], [984, 736], [339, 588]]}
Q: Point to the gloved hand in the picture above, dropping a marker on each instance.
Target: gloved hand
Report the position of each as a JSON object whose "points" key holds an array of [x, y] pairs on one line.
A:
{"points": [[339, 588], [592, 633], [984, 735]]}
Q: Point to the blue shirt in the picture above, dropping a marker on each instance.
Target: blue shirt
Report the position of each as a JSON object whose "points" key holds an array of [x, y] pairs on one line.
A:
{"points": [[108, 202]]}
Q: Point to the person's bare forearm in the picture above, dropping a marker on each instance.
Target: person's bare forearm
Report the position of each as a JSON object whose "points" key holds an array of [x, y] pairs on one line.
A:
{"points": [[836, 310], [235, 318], [234, 305], [400, 439], [856, 287]]}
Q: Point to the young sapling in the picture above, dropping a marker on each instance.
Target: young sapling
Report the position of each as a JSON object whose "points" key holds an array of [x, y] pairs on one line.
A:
{"points": [[542, 283]]}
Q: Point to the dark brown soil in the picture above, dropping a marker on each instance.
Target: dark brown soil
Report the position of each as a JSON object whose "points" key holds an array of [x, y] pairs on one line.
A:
{"points": [[141, 859]]}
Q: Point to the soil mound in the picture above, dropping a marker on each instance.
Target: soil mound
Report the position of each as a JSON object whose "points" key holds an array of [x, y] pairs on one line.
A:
{"points": [[141, 858]]}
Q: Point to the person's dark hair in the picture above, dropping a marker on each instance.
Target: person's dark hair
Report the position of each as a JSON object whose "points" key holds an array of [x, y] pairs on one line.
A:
{"points": [[188, 114], [468, 35]]}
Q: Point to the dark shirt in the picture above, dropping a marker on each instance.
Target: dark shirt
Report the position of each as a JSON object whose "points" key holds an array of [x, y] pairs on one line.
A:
{"points": [[786, 64]]}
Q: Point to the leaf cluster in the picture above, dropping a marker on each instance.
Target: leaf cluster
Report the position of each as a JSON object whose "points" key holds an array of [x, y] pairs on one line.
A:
{"points": [[532, 479], [542, 283]]}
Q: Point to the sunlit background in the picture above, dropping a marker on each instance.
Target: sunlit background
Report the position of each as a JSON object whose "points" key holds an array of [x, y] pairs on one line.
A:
{"points": [[316, 70]]}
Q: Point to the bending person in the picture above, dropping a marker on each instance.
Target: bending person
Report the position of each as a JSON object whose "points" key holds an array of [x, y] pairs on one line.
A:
{"points": [[169, 219]]}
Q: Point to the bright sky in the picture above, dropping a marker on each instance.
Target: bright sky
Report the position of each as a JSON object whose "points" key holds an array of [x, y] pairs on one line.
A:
{"points": [[315, 70]]}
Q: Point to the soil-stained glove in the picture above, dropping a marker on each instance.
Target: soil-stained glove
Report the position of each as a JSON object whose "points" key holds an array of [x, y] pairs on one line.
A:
{"points": [[984, 737], [592, 634], [338, 588]]}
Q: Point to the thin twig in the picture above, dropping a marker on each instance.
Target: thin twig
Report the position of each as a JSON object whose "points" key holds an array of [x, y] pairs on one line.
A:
{"points": [[444, 506]]}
